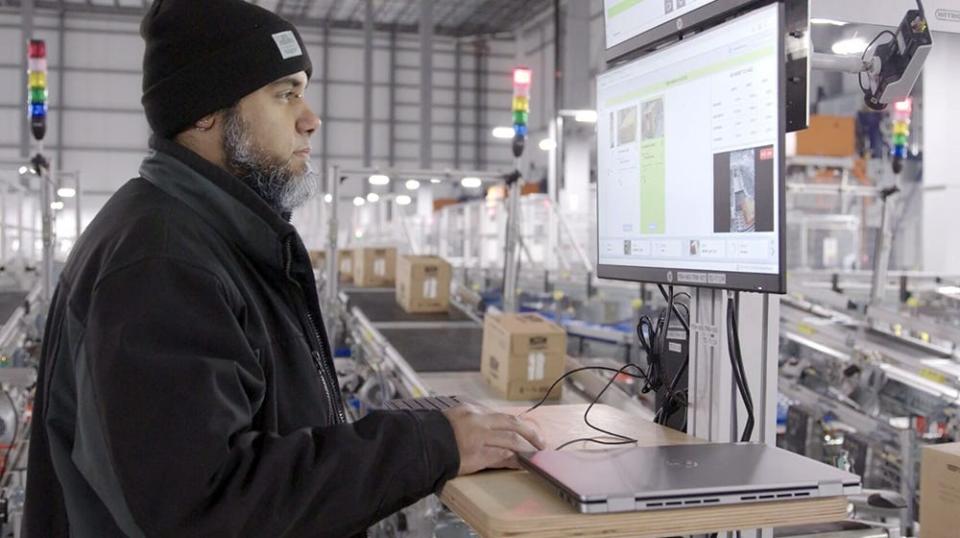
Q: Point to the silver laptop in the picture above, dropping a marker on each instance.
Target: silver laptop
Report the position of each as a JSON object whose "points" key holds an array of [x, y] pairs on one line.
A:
{"points": [[664, 477]]}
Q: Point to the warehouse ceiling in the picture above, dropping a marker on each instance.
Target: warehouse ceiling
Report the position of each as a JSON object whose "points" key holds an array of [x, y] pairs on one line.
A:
{"points": [[451, 17]]}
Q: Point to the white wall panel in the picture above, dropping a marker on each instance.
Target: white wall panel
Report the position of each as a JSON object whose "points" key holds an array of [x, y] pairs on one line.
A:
{"points": [[102, 90], [11, 49], [346, 64], [104, 50], [10, 85], [11, 117], [104, 170], [112, 130], [346, 138]]}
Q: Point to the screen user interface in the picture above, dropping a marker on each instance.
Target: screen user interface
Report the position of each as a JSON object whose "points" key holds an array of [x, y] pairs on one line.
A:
{"points": [[688, 148]]}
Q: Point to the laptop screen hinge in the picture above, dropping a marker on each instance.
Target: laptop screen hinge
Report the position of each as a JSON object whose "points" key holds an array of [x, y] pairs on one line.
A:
{"points": [[831, 488], [621, 504]]}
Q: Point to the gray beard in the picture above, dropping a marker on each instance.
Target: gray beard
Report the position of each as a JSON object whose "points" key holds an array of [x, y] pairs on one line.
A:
{"points": [[273, 181]]}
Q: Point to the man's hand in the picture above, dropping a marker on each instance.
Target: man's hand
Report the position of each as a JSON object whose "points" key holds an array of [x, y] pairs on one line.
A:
{"points": [[490, 440]]}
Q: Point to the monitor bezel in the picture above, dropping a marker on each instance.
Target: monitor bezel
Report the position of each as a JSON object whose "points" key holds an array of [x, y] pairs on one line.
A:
{"points": [[699, 19], [753, 282]]}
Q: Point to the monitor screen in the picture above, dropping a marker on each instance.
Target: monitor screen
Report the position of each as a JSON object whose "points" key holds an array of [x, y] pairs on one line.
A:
{"points": [[690, 160], [629, 18]]}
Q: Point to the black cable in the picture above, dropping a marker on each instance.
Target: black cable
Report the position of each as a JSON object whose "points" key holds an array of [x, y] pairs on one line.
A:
{"points": [[622, 439], [648, 334], [595, 440], [670, 402], [581, 369], [863, 56], [586, 414], [748, 427], [737, 369], [669, 298]]}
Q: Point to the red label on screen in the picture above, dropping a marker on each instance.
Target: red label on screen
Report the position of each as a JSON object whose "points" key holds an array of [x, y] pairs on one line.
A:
{"points": [[766, 154]]}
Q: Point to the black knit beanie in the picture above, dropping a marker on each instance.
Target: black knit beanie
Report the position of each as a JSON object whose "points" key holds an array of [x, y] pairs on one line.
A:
{"points": [[205, 55]]}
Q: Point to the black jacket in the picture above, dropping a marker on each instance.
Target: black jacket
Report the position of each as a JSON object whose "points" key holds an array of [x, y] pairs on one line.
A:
{"points": [[186, 387]]}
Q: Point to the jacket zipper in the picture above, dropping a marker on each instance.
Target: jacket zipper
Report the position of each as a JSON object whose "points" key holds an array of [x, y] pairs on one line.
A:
{"points": [[319, 356]]}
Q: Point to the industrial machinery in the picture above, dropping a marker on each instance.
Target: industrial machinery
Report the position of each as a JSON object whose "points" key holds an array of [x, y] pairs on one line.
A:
{"points": [[888, 70]]}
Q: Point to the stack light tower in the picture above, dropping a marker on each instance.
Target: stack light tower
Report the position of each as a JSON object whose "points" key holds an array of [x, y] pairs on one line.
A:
{"points": [[521, 108], [37, 88], [901, 132], [37, 108], [522, 78]]}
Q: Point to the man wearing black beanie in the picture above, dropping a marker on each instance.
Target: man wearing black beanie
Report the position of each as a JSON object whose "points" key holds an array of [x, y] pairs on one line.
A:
{"points": [[186, 385]]}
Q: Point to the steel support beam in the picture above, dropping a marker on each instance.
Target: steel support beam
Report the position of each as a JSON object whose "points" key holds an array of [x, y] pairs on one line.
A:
{"points": [[426, 83], [325, 100], [61, 87], [392, 91], [368, 84], [26, 18], [479, 96], [457, 90]]}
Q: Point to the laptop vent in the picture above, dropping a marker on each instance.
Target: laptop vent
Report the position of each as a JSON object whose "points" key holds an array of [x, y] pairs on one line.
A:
{"points": [[777, 496], [708, 501], [654, 505]]}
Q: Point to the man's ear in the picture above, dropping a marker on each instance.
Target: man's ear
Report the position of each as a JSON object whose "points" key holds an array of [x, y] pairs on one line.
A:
{"points": [[205, 123]]}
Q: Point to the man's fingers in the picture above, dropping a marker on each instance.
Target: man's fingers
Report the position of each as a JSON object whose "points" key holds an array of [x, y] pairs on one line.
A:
{"points": [[509, 462], [529, 431], [499, 458], [509, 440]]}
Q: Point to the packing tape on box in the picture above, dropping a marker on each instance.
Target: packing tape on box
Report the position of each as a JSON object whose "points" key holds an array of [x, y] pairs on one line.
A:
{"points": [[536, 363], [430, 287]]}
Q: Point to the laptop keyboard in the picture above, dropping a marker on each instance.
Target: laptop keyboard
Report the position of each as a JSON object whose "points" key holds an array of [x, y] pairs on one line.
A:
{"points": [[432, 403]]}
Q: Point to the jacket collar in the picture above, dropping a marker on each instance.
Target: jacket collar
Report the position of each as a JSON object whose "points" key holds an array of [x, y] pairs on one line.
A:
{"points": [[225, 202]]}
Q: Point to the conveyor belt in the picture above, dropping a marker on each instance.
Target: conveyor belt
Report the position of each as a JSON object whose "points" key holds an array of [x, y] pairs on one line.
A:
{"points": [[381, 306], [9, 302], [453, 349], [892, 347]]}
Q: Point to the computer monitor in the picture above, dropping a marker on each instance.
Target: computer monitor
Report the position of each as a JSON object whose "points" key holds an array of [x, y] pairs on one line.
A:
{"points": [[632, 25], [690, 145]]}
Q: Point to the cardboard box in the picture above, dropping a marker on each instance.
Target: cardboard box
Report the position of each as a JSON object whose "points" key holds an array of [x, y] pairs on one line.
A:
{"points": [[374, 267], [345, 259], [940, 491], [423, 284], [318, 259], [523, 354], [833, 136]]}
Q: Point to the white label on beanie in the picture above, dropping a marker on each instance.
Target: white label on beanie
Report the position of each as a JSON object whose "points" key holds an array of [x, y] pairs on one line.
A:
{"points": [[288, 45]]}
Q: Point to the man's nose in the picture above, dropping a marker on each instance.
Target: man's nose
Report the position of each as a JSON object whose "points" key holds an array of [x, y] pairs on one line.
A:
{"points": [[308, 121]]}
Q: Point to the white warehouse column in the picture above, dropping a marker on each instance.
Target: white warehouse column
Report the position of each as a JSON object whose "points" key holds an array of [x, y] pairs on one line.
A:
{"points": [[941, 177]]}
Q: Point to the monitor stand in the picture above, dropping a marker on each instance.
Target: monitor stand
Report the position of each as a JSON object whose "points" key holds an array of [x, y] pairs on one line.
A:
{"points": [[716, 411]]}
